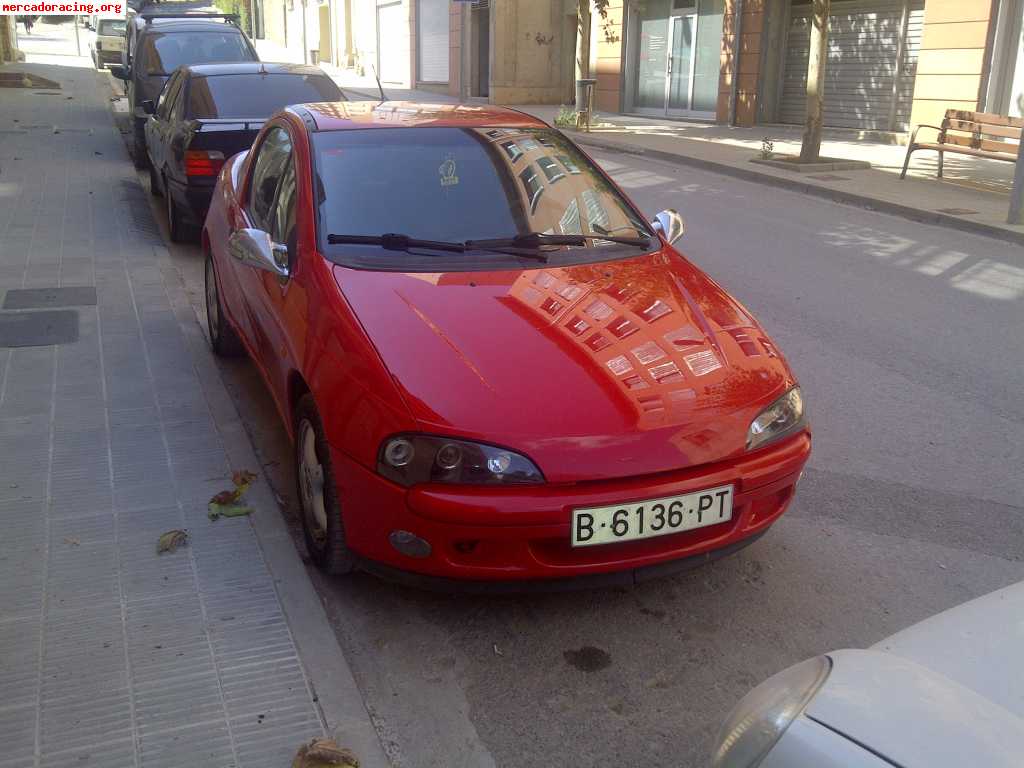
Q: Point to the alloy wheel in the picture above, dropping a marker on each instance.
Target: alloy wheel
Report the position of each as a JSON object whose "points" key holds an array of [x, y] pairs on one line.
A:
{"points": [[311, 482]]}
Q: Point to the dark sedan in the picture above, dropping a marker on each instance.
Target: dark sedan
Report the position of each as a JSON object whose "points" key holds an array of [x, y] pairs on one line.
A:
{"points": [[208, 112]]}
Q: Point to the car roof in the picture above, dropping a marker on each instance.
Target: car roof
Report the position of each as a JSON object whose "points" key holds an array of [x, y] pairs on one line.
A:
{"points": [[352, 115], [179, 24], [253, 68]]}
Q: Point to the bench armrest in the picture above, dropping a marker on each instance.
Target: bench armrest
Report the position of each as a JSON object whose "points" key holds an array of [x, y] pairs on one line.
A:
{"points": [[913, 136]]}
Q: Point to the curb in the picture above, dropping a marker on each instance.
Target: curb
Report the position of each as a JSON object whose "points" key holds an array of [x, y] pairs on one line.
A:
{"points": [[797, 185]]}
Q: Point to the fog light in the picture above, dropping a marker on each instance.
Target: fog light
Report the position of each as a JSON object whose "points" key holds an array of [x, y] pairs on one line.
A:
{"points": [[398, 452], [409, 544]]}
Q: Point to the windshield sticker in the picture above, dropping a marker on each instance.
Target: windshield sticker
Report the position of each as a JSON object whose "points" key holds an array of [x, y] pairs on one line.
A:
{"points": [[447, 171]]}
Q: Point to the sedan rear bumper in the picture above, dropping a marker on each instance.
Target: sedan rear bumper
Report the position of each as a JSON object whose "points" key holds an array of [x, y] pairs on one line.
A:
{"points": [[516, 534]]}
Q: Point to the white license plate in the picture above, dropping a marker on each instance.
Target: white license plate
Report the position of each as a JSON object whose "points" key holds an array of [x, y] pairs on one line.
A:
{"points": [[654, 517]]}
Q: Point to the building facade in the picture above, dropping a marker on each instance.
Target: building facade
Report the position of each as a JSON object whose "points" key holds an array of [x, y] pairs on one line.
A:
{"points": [[891, 63]]}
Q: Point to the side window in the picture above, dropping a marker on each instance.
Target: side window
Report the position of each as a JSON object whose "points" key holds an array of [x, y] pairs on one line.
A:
{"points": [[167, 96], [272, 157], [282, 228]]}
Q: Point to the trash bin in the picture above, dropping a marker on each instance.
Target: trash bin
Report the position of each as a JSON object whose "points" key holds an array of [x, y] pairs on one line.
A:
{"points": [[584, 102], [314, 56]]}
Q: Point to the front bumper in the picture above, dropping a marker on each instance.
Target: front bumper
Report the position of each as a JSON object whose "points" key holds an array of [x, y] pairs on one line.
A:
{"points": [[509, 534]]}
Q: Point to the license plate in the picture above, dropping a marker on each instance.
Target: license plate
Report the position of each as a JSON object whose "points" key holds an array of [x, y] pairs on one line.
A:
{"points": [[655, 517]]}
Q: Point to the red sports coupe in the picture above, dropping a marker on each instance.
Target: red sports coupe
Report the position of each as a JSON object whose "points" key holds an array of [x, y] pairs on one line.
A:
{"points": [[493, 369]]}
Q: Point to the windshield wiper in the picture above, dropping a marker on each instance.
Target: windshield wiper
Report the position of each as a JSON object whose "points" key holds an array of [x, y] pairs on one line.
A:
{"points": [[396, 242], [528, 240], [642, 239]]}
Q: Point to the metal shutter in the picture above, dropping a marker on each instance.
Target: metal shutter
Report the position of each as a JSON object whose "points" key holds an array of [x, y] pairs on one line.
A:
{"points": [[863, 55], [433, 41]]}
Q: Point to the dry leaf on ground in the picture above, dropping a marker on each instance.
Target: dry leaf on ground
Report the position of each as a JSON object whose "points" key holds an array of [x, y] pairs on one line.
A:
{"points": [[171, 540], [324, 753]]}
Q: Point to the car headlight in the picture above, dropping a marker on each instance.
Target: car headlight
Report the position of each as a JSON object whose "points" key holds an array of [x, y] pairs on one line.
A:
{"points": [[411, 459], [764, 714], [780, 418]]}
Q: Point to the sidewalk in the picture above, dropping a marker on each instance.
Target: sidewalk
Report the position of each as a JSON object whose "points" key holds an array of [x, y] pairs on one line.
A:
{"points": [[217, 654]]}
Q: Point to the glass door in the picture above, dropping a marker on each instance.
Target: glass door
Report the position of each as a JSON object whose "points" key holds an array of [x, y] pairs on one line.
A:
{"points": [[680, 63]]}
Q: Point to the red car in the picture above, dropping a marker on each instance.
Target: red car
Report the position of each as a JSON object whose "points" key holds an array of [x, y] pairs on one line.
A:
{"points": [[492, 368]]}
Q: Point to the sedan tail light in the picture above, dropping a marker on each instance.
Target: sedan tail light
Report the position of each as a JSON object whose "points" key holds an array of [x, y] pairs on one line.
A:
{"points": [[201, 162]]}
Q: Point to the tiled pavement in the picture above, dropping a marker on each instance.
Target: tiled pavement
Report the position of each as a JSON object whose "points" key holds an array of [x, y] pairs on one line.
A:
{"points": [[111, 655]]}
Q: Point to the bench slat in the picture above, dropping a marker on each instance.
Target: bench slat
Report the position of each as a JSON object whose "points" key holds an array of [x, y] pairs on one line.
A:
{"points": [[987, 118], [986, 130], [1009, 156]]}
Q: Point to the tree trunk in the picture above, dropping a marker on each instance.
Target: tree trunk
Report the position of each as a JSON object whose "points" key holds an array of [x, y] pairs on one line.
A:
{"points": [[816, 61], [582, 40]]}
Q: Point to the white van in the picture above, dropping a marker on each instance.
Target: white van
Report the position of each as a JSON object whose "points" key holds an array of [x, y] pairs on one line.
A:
{"points": [[109, 41]]}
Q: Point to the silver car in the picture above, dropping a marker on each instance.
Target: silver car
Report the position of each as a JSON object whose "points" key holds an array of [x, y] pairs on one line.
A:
{"points": [[945, 693]]}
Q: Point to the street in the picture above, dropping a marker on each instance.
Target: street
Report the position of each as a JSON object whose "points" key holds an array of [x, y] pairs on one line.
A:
{"points": [[907, 339]]}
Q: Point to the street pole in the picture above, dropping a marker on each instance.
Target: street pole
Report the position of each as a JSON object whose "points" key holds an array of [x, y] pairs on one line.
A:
{"points": [[1017, 193], [78, 43]]}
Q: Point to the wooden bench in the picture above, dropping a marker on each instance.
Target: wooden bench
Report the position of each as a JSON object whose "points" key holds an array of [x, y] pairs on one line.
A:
{"points": [[976, 134]]}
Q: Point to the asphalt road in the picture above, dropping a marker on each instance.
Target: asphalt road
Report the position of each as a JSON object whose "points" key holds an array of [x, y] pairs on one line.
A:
{"points": [[908, 340]]}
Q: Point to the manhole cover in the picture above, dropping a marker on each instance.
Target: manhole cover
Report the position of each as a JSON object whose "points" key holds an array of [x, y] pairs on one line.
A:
{"points": [[956, 211], [49, 298], [38, 329]]}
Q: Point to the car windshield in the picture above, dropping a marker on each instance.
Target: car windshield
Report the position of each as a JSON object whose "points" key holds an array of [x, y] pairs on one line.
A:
{"points": [[459, 184], [111, 27], [165, 52], [256, 95]]}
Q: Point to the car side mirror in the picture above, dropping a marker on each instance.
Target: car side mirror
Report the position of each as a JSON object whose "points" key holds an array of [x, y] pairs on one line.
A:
{"points": [[670, 224], [255, 248], [148, 106], [120, 72]]}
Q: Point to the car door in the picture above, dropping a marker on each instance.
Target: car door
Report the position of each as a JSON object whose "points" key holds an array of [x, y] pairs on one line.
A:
{"points": [[271, 157], [157, 123], [283, 300]]}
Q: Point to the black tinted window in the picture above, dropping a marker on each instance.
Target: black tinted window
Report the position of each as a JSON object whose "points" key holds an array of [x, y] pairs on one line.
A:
{"points": [[163, 52], [256, 95], [458, 184]]}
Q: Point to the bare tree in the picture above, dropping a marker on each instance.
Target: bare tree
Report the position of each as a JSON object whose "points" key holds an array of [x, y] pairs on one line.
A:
{"points": [[810, 148]]}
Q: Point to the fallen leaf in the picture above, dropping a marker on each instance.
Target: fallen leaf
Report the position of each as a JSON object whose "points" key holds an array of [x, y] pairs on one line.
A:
{"points": [[226, 497], [324, 753], [71, 541], [171, 540], [243, 477], [227, 510], [498, 651]]}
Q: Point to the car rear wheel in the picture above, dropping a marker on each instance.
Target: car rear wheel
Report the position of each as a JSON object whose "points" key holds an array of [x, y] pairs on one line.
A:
{"points": [[223, 339], [175, 224], [322, 523]]}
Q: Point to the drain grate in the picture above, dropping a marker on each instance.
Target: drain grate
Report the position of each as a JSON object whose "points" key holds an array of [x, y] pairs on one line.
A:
{"points": [[38, 329], [50, 298]]}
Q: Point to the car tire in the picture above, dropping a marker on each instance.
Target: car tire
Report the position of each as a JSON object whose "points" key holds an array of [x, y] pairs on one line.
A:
{"points": [[319, 507], [224, 339], [154, 182], [176, 226], [139, 156]]}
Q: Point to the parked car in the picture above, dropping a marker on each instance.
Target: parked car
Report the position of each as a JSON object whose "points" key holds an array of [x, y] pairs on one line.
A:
{"points": [[209, 112], [108, 45], [158, 43], [493, 369], [945, 693]]}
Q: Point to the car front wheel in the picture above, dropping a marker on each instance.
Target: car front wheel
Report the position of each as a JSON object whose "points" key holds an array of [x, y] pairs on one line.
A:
{"points": [[223, 338], [322, 523]]}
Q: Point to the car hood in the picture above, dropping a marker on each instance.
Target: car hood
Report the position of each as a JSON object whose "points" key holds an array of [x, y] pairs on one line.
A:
{"points": [[600, 370], [946, 692]]}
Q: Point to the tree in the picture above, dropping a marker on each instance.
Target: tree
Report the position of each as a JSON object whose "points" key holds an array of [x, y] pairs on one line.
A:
{"points": [[810, 148]]}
